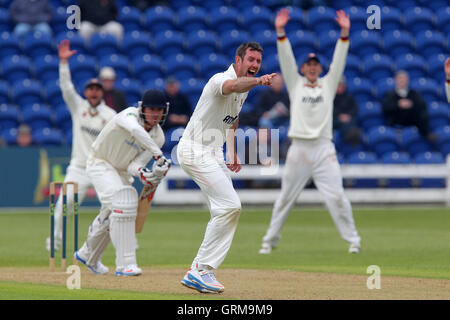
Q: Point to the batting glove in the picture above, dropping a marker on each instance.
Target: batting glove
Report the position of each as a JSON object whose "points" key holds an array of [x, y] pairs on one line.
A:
{"points": [[149, 178]]}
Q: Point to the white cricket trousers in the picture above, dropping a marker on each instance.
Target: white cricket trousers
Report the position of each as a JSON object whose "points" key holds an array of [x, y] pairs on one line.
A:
{"points": [[73, 174], [107, 181], [314, 159], [207, 168]]}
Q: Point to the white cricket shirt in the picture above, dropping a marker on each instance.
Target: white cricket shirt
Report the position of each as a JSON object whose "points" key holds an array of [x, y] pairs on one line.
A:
{"points": [[125, 144], [87, 122], [447, 89], [215, 112], [311, 107]]}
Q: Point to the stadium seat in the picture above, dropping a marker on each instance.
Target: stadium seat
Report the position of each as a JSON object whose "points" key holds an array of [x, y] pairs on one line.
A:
{"points": [[435, 63], [48, 137], [59, 19], [392, 18], [383, 86], [352, 66], [4, 92], [438, 114], [297, 20], [53, 93], [83, 67], [193, 89], [418, 19], [16, 68], [154, 83], [430, 158], [268, 41], [223, 18], [130, 18], [443, 20], [271, 64], [9, 45], [159, 19], [169, 43], [430, 42], [120, 64], [327, 42], [202, 42], [132, 88], [396, 158], [208, 5], [102, 44], [413, 142], [303, 42], [190, 19], [365, 42], [37, 116], [382, 139], [148, 67], [361, 88], [10, 116], [378, 66], [322, 19], [5, 24], [414, 64], [231, 40], [62, 117], [442, 142], [47, 67], [358, 18], [398, 42], [256, 19], [428, 88], [136, 43], [38, 44], [211, 64], [370, 115], [76, 41], [362, 157], [27, 92], [182, 66]]}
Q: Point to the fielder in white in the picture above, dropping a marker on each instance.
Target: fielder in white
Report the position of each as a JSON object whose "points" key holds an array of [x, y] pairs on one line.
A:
{"points": [[447, 81], [122, 150], [312, 153], [89, 116], [200, 154]]}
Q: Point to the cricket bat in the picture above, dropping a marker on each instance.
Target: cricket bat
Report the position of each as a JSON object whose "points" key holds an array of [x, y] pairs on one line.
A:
{"points": [[144, 203]]}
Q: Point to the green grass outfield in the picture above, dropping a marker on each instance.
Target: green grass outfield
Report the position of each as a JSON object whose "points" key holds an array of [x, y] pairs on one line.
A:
{"points": [[408, 242]]}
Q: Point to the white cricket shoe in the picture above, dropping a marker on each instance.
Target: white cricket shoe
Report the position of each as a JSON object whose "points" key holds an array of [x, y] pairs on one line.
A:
{"points": [[354, 248], [100, 268], [194, 285], [57, 243], [130, 270], [206, 279], [265, 249]]}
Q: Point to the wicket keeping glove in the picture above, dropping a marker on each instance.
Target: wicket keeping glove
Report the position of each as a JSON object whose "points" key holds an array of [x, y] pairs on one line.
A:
{"points": [[149, 178]]}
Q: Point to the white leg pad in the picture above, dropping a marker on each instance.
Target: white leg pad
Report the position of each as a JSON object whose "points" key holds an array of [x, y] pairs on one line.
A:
{"points": [[122, 225]]}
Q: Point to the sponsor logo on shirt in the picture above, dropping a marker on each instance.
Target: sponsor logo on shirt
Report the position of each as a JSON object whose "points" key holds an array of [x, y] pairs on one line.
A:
{"points": [[91, 131], [312, 100], [229, 119], [132, 144]]}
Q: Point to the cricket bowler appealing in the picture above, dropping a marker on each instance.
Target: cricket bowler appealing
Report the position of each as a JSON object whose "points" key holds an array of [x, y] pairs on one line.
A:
{"points": [[122, 150], [200, 154], [312, 153]]}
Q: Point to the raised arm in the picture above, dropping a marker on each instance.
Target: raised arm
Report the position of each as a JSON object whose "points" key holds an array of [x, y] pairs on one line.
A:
{"points": [[447, 75], [244, 84], [71, 97]]}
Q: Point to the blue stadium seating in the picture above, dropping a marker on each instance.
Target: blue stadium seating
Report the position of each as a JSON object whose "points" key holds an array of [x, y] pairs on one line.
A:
{"points": [[352, 66], [83, 67], [16, 68], [159, 19], [48, 137], [4, 92], [231, 40], [398, 42], [202, 42], [271, 64], [132, 88], [136, 44], [327, 42], [9, 136], [443, 20], [148, 67], [47, 67], [170, 43], [37, 116], [430, 158], [391, 18], [268, 41], [297, 20], [9, 45], [414, 64], [418, 19], [257, 18], [438, 114], [378, 66], [76, 41], [442, 139], [430, 42], [361, 88], [223, 18], [396, 158], [63, 118], [130, 18], [362, 157], [211, 64], [193, 89], [383, 86], [382, 139], [303, 42], [102, 44], [190, 19], [120, 64], [5, 24], [428, 88], [27, 92], [358, 17], [365, 42], [38, 44], [321, 19], [154, 83], [182, 66], [413, 142], [53, 93], [59, 19], [10, 116]]}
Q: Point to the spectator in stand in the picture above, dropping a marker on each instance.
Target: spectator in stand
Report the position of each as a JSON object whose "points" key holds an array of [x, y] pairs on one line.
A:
{"points": [[24, 137], [114, 98], [447, 77], [31, 15], [345, 113], [405, 107], [180, 108], [99, 16]]}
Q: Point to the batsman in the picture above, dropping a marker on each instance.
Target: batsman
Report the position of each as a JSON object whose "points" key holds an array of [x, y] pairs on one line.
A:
{"points": [[122, 150]]}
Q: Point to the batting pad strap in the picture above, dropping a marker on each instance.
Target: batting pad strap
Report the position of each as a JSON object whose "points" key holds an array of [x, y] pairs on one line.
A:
{"points": [[125, 202]]}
